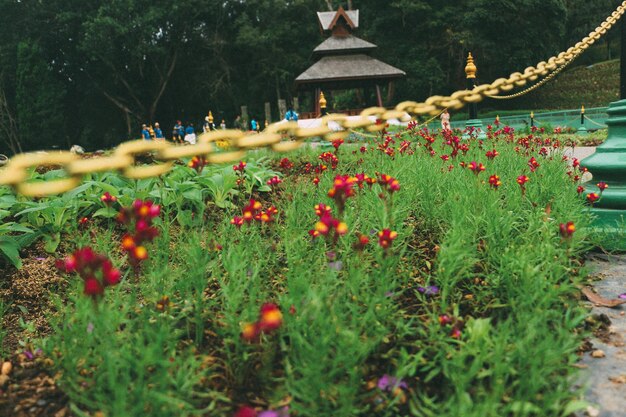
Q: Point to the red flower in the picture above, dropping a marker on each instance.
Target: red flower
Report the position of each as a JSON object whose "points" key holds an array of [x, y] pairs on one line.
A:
{"points": [[363, 149], [386, 237], [322, 209], [491, 154], [96, 270], [533, 164], [286, 164], [343, 188], [522, 179], [337, 143], [82, 222], [274, 181], [270, 318], [245, 411], [494, 181], [251, 210], [142, 214], [316, 181], [93, 288], [444, 320], [476, 168], [327, 223], [445, 158], [567, 229], [392, 184], [329, 158], [580, 189], [592, 197], [237, 221], [361, 242], [602, 186], [250, 332], [108, 199], [197, 163], [240, 167]]}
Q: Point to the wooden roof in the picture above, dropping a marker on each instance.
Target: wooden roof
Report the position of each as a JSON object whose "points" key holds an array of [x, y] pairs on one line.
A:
{"points": [[347, 67], [343, 44], [329, 19]]}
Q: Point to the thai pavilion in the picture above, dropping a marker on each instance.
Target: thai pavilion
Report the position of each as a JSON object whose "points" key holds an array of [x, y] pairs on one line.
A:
{"points": [[344, 62]]}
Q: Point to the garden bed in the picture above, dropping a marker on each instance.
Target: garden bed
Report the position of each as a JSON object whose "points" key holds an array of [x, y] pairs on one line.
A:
{"points": [[445, 284]]}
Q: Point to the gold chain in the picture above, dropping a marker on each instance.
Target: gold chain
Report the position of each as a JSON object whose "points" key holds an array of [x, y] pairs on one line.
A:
{"points": [[280, 136], [534, 86]]}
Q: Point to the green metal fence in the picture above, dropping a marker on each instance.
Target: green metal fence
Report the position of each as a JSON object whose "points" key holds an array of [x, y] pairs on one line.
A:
{"points": [[595, 119]]}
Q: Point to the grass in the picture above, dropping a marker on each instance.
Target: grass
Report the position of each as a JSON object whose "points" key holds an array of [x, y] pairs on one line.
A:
{"points": [[595, 85], [498, 337]]}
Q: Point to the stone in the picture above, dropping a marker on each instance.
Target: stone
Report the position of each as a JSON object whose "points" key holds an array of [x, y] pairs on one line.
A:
{"points": [[77, 149], [6, 368]]}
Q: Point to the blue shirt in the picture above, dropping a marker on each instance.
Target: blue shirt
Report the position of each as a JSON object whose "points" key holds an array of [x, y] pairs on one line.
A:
{"points": [[146, 134], [158, 133], [189, 130], [253, 123]]}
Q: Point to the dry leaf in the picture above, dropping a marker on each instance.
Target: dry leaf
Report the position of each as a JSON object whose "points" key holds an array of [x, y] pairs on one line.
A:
{"points": [[601, 301], [618, 379], [598, 354]]}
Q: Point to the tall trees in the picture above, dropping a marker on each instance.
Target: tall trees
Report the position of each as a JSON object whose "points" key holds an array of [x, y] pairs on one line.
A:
{"points": [[39, 100], [91, 71]]}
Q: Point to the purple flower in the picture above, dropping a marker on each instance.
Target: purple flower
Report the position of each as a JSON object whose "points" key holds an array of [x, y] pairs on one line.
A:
{"points": [[430, 290], [283, 412], [337, 265], [90, 327], [389, 383], [622, 296]]}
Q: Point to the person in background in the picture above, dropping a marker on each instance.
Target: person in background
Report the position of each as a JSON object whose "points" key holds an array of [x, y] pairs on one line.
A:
{"points": [[223, 125], [152, 134], [145, 133], [445, 120], [291, 115], [190, 134], [158, 133], [254, 125], [239, 123], [177, 132]]}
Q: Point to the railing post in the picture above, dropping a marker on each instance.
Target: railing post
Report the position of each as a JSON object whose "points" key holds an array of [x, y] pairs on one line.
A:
{"points": [[607, 165], [582, 130], [474, 124]]}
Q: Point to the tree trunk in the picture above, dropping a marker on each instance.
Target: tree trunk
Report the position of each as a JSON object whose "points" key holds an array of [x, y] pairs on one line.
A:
{"points": [[8, 126]]}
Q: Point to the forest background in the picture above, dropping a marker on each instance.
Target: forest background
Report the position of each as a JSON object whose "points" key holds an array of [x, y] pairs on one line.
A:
{"points": [[90, 72]]}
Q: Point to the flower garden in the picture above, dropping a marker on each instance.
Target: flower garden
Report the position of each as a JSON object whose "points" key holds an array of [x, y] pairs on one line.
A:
{"points": [[416, 273]]}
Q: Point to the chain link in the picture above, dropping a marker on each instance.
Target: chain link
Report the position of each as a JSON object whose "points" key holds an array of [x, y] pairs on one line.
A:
{"points": [[280, 136]]}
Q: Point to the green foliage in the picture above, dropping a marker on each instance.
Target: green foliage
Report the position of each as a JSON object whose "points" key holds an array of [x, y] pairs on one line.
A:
{"points": [[40, 110], [504, 273]]}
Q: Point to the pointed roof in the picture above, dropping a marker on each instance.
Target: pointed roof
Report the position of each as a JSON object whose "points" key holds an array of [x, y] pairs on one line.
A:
{"points": [[348, 67], [343, 44], [328, 20]]}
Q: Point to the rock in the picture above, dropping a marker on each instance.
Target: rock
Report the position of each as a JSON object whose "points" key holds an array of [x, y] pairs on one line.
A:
{"points": [[6, 368], [4, 379], [592, 412], [77, 149], [597, 354]]}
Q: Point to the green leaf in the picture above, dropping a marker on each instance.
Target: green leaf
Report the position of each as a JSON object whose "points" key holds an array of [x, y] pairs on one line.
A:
{"points": [[10, 249], [106, 212], [52, 242], [573, 406]]}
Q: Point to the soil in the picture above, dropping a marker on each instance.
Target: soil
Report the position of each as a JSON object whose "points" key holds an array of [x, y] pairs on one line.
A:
{"points": [[30, 389]]}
